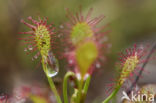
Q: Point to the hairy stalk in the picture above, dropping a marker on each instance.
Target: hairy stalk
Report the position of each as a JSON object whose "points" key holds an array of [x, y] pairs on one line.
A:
{"points": [[65, 94], [112, 95], [52, 85]]}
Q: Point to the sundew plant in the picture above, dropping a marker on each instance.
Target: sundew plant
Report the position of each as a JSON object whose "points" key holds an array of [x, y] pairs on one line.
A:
{"points": [[85, 48]]}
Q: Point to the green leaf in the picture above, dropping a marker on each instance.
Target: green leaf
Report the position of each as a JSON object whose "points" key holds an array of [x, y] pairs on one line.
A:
{"points": [[80, 32], [86, 54]]}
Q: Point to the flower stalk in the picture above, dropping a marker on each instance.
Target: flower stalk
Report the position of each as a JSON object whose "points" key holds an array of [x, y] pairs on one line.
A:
{"points": [[52, 85], [80, 87], [112, 95], [86, 85], [65, 94]]}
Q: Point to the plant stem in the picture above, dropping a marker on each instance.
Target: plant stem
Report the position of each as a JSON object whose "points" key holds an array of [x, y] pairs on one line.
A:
{"points": [[53, 88], [51, 83], [86, 86], [80, 86], [112, 95], [114, 99], [82, 91], [65, 94]]}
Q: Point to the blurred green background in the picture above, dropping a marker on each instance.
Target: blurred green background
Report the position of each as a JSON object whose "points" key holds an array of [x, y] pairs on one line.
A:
{"points": [[130, 21]]}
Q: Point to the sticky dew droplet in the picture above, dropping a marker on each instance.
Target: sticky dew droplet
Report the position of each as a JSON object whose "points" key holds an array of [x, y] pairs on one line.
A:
{"points": [[52, 65]]}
